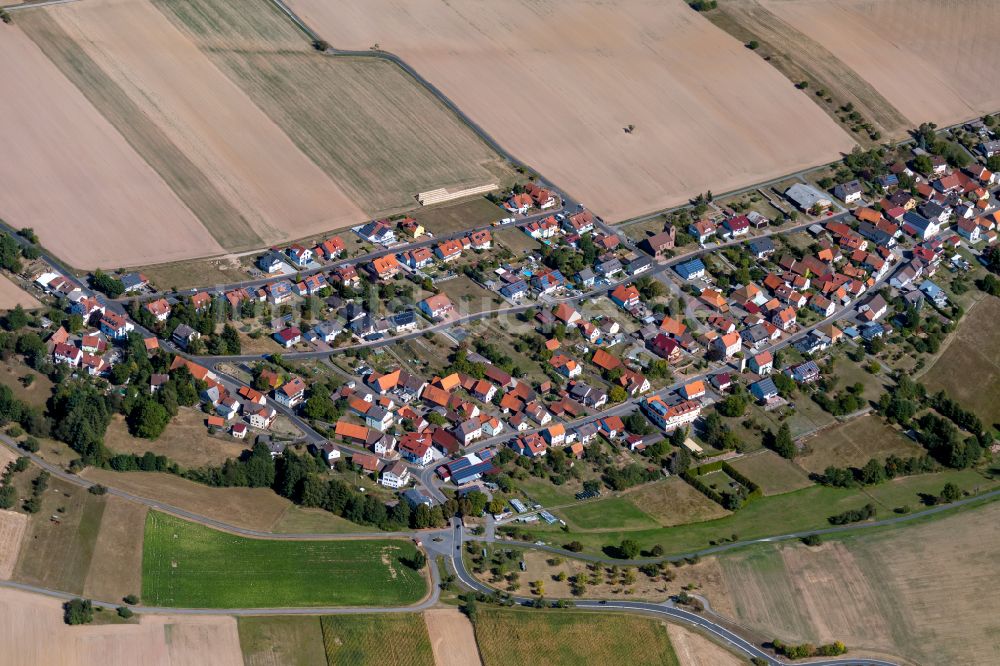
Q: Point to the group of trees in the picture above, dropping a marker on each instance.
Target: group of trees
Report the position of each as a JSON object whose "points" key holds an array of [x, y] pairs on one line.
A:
{"points": [[781, 442], [806, 650], [876, 471], [843, 402], [8, 493], [853, 515]]}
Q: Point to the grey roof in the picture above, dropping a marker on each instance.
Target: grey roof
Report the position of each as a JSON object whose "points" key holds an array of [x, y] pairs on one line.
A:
{"points": [[805, 196]]}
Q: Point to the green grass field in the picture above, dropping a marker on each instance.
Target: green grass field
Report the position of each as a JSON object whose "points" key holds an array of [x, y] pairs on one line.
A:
{"points": [[374, 640], [567, 638], [804, 509], [611, 513], [188, 565]]}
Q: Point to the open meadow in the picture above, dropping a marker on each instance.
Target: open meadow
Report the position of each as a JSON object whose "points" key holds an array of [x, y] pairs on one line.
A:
{"points": [[70, 175], [854, 443], [568, 638], [33, 632], [915, 591], [116, 566], [968, 369], [252, 508], [707, 113], [188, 565], [674, 502], [365, 123], [60, 539], [372, 640], [932, 59], [796, 511], [281, 641], [185, 441], [774, 474]]}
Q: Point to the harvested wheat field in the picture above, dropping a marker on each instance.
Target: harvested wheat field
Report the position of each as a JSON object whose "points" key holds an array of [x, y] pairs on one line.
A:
{"points": [[452, 638], [277, 191], [33, 633], [12, 295], [693, 649], [915, 592], [12, 526], [366, 123], [932, 59], [72, 177], [252, 508], [116, 567], [556, 81]]}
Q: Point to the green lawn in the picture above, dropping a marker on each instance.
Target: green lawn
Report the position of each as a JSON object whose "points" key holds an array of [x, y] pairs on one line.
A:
{"points": [[611, 513], [568, 638], [188, 565], [804, 509], [373, 640]]}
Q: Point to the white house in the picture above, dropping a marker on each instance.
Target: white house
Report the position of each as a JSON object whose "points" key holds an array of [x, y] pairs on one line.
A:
{"points": [[396, 475]]}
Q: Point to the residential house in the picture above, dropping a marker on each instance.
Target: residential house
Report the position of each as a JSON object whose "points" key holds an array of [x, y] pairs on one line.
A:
{"points": [[448, 250], [691, 269], [271, 262], [849, 192], [737, 226], [692, 390], [300, 256], [665, 347], [764, 390], [728, 345], [762, 363], [183, 335], [784, 318], [291, 393], [670, 417], [804, 372], [532, 446], [625, 296], [581, 223], [541, 198], [379, 232], [436, 306], [919, 226], [159, 308], [417, 447], [702, 230], [611, 427], [396, 475], [261, 416], [383, 268], [288, 337], [331, 248], [547, 282], [468, 431], [67, 354], [762, 247], [806, 198], [587, 395], [116, 326], [541, 229], [515, 291], [873, 308], [969, 230], [134, 282]]}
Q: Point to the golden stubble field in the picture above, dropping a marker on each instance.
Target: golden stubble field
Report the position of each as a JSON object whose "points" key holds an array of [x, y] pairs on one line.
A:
{"points": [[71, 176], [919, 593], [33, 633], [556, 81], [277, 191], [932, 59]]}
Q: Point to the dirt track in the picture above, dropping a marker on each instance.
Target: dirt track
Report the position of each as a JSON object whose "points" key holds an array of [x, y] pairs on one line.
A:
{"points": [[555, 82]]}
